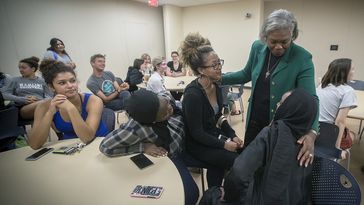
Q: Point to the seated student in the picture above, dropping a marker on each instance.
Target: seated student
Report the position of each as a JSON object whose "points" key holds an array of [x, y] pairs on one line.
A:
{"points": [[175, 66], [103, 84], [336, 96], [27, 90], [153, 128], [271, 158], [72, 113], [156, 80], [135, 74], [209, 137], [57, 52]]}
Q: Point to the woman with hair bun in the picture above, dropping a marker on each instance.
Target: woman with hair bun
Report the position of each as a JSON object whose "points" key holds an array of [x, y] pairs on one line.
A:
{"points": [[209, 137], [69, 112], [57, 52], [27, 90]]}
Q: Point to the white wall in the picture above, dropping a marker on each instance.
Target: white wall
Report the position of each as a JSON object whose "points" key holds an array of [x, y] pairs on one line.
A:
{"points": [[122, 30], [230, 32], [325, 22], [172, 18]]}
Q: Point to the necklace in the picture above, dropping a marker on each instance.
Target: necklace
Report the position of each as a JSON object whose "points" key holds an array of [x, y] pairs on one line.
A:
{"points": [[269, 69]]}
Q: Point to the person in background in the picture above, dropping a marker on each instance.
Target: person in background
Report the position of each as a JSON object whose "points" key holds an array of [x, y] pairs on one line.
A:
{"points": [[156, 80], [148, 64], [57, 52], [337, 98], [69, 112], [269, 161], [175, 69], [4, 80], [175, 66], [276, 65], [27, 90], [209, 137], [153, 128], [103, 84], [135, 74]]}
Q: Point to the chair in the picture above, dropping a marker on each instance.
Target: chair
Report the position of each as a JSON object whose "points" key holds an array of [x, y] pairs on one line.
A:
{"points": [[108, 117], [229, 90], [9, 129], [333, 184], [357, 85], [325, 144]]}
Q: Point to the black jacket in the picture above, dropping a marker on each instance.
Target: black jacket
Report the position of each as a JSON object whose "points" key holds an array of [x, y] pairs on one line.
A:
{"points": [[133, 77]]}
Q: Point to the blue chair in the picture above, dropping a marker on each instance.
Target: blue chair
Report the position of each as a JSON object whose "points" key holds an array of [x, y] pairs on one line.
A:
{"points": [[108, 117], [9, 129], [325, 144], [332, 184]]}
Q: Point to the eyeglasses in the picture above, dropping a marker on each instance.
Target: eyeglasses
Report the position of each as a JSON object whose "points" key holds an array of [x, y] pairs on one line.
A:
{"points": [[215, 66]]}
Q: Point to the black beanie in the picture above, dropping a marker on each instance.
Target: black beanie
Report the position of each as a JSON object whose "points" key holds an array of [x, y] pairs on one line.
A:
{"points": [[143, 106]]}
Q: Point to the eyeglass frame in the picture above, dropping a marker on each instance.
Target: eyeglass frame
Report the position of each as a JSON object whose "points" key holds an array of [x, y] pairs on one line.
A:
{"points": [[219, 64]]}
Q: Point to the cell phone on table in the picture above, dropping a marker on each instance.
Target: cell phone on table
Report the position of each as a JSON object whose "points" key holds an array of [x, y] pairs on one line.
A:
{"points": [[147, 191], [39, 154], [141, 161]]}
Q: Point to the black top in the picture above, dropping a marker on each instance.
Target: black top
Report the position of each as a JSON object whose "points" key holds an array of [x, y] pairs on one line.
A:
{"points": [[134, 77], [170, 65], [271, 159], [200, 118], [261, 101]]}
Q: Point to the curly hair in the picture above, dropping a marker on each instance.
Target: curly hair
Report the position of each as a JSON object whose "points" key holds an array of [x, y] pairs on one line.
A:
{"points": [[51, 68], [33, 62], [194, 50]]}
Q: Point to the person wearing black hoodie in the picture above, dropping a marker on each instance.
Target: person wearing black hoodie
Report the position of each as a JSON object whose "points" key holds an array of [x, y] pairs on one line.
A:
{"points": [[135, 75], [270, 160]]}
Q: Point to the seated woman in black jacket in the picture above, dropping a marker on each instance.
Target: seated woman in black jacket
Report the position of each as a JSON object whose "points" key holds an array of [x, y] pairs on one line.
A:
{"points": [[209, 137], [135, 74], [271, 158]]}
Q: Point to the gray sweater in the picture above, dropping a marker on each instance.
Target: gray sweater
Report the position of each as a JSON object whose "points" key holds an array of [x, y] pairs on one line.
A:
{"points": [[19, 88]]}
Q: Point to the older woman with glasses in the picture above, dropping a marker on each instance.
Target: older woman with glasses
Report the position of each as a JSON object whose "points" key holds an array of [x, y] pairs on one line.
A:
{"points": [[209, 137], [275, 66]]}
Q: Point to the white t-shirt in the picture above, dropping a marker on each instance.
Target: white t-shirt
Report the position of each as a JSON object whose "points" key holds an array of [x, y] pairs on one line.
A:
{"points": [[333, 98], [156, 83]]}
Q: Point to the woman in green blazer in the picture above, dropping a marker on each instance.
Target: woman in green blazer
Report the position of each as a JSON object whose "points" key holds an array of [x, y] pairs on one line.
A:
{"points": [[276, 65]]}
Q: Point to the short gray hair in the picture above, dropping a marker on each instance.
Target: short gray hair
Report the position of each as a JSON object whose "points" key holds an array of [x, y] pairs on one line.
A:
{"points": [[278, 20]]}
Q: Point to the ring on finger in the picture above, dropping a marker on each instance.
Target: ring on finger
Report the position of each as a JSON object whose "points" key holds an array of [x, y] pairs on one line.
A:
{"points": [[310, 155]]}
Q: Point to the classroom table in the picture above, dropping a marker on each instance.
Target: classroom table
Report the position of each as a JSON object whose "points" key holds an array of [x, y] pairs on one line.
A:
{"points": [[86, 177], [358, 112]]}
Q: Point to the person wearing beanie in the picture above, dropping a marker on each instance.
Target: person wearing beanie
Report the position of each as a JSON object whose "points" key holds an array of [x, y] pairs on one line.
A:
{"points": [[156, 80], [27, 90], [155, 127], [57, 52]]}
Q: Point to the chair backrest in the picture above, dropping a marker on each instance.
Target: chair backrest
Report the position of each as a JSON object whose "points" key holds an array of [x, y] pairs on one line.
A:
{"points": [[356, 84], [333, 184], [108, 117], [9, 123], [325, 144]]}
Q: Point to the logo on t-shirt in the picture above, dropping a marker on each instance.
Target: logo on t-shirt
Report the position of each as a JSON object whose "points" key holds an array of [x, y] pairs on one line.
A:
{"points": [[108, 87]]}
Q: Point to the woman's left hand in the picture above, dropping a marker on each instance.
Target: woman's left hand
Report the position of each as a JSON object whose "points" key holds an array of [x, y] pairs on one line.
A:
{"points": [[238, 141], [305, 155]]}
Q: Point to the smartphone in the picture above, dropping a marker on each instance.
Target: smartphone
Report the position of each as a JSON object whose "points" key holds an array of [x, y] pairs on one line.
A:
{"points": [[141, 161], [39, 154], [147, 191]]}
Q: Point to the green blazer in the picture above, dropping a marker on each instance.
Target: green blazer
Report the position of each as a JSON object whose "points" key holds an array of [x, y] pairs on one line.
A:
{"points": [[295, 70]]}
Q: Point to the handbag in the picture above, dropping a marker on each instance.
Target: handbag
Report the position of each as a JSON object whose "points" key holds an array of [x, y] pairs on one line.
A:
{"points": [[347, 139]]}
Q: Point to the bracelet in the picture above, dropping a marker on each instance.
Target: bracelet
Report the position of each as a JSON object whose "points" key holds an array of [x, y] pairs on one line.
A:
{"points": [[314, 132]]}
